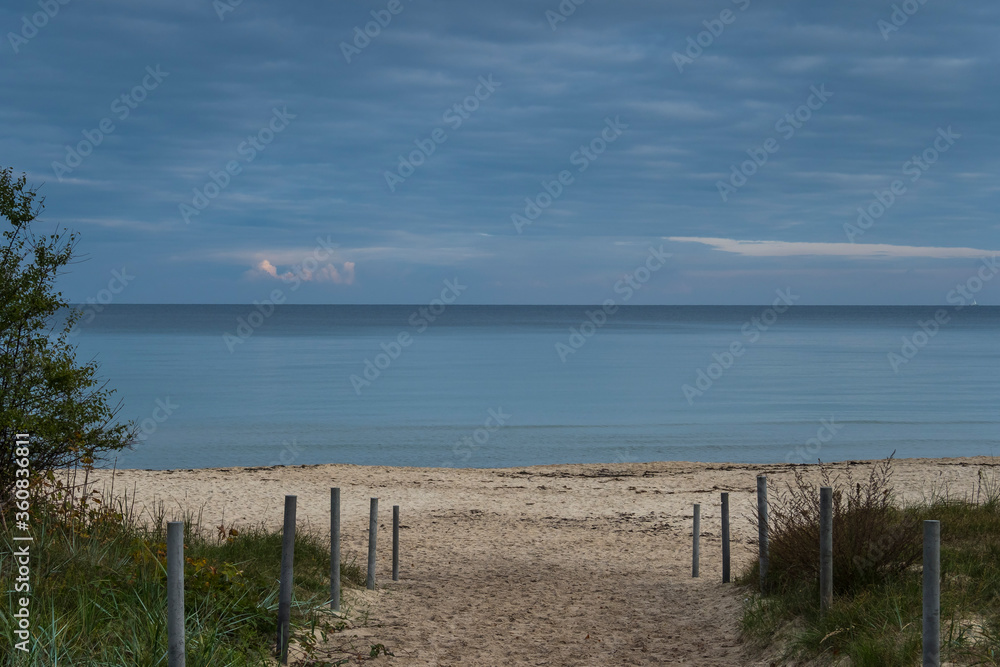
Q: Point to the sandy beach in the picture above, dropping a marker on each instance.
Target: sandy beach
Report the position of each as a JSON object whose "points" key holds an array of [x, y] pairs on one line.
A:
{"points": [[545, 565]]}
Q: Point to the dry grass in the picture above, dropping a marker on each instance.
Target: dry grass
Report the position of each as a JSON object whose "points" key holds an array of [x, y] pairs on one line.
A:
{"points": [[872, 537]]}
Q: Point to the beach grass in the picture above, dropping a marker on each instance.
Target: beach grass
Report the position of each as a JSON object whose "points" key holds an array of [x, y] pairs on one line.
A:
{"points": [[98, 593], [876, 620]]}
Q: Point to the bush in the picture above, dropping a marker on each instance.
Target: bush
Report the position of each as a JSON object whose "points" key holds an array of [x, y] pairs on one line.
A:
{"points": [[63, 406], [872, 538]]}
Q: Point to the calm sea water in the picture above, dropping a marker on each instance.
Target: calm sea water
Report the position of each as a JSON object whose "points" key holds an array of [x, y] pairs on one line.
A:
{"points": [[816, 382]]}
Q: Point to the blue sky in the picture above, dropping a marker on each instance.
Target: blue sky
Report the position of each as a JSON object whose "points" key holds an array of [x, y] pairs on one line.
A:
{"points": [[127, 115]]}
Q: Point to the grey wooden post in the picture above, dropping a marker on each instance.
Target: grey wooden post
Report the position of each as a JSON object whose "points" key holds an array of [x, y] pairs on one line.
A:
{"points": [[175, 594], [395, 542], [695, 534], [372, 532], [762, 529], [725, 538], [825, 548], [335, 549], [285, 584], [932, 594]]}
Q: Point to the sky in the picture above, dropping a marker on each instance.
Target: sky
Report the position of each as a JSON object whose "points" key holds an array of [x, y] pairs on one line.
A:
{"points": [[229, 151]]}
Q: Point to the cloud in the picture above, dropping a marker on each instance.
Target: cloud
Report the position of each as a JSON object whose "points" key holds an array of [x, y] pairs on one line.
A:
{"points": [[325, 273], [856, 250], [329, 273], [268, 268]]}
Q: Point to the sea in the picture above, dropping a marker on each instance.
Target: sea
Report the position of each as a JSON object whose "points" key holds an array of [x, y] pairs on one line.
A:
{"points": [[501, 386]]}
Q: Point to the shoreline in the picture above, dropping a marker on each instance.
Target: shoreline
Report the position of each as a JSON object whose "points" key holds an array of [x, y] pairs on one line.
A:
{"points": [[977, 460]]}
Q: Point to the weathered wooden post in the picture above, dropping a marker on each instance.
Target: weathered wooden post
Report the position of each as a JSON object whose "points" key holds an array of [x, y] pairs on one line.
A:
{"points": [[335, 549], [825, 548], [695, 534], [725, 538], [932, 594], [175, 594], [762, 530], [285, 584], [372, 532], [395, 542]]}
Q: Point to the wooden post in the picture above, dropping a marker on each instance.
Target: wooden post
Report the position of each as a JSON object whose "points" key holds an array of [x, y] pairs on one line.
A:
{"points": [[372, 533], [175, 594], [725, 538], [335, 549], [395, 542], [825, 548], [932, 594], [285, 584], [695, 534], [762, 530]]}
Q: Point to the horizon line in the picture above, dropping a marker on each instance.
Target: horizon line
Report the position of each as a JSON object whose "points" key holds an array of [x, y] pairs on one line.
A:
{"points": [[564, 305]]}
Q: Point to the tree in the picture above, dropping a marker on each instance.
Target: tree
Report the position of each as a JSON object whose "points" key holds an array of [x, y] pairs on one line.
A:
{"points": [[43, 391]]}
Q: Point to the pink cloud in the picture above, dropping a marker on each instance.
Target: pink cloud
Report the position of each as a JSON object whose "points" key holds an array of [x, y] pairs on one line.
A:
{"points": [[326, 273], [267, 268]]}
